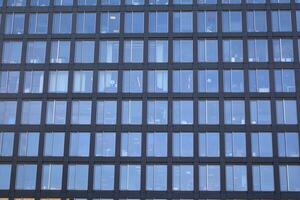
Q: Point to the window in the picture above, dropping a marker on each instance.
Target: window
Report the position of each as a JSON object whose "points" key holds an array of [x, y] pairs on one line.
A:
{"points": [[208, 81], [183, 144], [256, 21], [281, 21], [12, 52], [52, 177], [233, 81], [207, 2], [105, 144], [110, 22], [36, 52], [182, 22], [5, 172], [14, 23], [183, 81], [106, 112], [209, 144], [86, 23], [78, 177], [133, 51], [261, 144], [81, 112], [158, 51], [298, 20], [285, 80], [208, 112], [258, 51], [58, 81], [84, 51], [156, 177], [158, 2], [256, 1], [60, 51], [6, 144], [183, 112], [283, 50], [158, 22], [133, 81], [131, 112], [209, 178], [157, 112], [134, 22], [231, 1], [157, 144], [56, 112], [38, 23], [207, 51], [26, 177], [79, 144], [8, 110], [83, 81], [280, 1], [207, 21], [87, 2], [183, 2], [232, 51], [288, 144], [158, 81], [131, 144], [108, 81], [183, 178], [31, 112], [289, 178], [28, 144], [260, 111], [236, 178], [104, 177], [109, 51], [134, 2], [232, 21], [110, 2], [263, 177], [34, 82], [63, 2], [183, 51], [234, 111], [39, 3], [259, 81], [62, 23], [54, 144], [130, 177], [286, 112], [9, 81], [235, 144]]}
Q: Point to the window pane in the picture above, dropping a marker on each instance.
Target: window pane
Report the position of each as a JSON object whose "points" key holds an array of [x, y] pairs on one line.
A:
{"points": [[79, 144], [78, 177], [157, 144], [183, 178], [105, 144], [130, 177], [5, 172], [104, 177], [156, 177], [26, 177], [6, 144], [54, 144], [131, 144]]}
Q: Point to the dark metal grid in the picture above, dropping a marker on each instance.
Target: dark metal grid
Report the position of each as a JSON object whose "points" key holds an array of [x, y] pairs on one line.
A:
{"points": [[195, 96]]}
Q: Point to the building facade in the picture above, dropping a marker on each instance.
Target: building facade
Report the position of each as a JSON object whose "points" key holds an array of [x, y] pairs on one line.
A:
{"points": [[149, 99]]}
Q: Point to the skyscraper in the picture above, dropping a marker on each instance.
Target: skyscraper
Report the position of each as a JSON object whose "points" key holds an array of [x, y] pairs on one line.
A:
{"points": [[149, 99]]}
